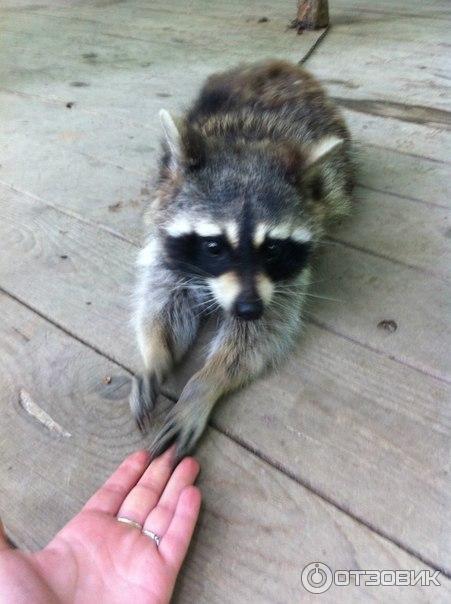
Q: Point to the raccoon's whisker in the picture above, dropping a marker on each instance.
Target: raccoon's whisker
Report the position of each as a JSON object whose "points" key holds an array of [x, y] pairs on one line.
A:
{"points": [[209, 300], [288, 294], [281, 305], [290, 286], [207, 306], [322, 297], [309, 295], [298, 284], [211, 309], [195, 269], [199, 286], [288, 291], [191, 281]]}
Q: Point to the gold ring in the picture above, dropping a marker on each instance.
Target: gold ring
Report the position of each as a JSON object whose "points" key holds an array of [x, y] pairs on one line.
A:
{"points": [[125, 520]]}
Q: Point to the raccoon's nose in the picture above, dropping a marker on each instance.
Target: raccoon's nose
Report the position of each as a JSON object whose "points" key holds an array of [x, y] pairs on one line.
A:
{"points": [[249, 310]]}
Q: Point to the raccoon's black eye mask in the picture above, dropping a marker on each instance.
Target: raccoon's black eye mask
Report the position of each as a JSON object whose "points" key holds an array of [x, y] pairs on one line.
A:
{"points": [[284, 258], [212, 256]]}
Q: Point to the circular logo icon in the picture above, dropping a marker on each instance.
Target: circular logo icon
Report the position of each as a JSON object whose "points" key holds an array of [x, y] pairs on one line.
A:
{"points": [[316, 577]]}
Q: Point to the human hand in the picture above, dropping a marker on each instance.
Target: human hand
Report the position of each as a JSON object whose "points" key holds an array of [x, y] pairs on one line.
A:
{"points": [[96, 558]]}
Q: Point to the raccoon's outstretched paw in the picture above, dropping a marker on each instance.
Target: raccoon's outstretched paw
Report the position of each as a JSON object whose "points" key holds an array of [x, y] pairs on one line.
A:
{"points": [[183, 427], [143, 397]]}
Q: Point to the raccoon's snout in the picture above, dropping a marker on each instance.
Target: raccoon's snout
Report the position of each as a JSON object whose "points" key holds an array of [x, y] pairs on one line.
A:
{"points": [[248, 309]]}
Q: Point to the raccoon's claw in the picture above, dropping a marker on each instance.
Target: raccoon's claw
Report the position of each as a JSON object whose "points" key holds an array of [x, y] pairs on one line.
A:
{"points": [[143, 396], [182, 428]]}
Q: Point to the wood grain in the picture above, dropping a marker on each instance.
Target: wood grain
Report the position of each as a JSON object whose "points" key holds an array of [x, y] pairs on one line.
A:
{"points": [[249, 507]]}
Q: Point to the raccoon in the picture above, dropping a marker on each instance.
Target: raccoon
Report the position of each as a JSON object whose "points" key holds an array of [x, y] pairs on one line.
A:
{"points": [[250, 179]]}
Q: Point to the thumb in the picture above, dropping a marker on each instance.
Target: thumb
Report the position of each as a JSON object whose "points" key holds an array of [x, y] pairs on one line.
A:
{"points": [[4, 543]]}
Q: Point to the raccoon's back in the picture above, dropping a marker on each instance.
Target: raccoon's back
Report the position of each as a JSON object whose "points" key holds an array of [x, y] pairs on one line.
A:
{"points": [[273, 99]]}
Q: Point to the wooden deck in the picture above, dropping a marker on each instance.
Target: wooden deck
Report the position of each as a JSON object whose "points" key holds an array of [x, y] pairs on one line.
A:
{"points": [[344, 455]]}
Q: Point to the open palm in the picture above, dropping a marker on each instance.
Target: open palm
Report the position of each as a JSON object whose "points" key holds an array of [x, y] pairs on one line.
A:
{"points": [[96, 558]]}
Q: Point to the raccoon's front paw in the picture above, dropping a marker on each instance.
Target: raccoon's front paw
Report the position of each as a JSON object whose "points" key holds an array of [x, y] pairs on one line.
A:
{"points": [[184, 426], [143, 397]]}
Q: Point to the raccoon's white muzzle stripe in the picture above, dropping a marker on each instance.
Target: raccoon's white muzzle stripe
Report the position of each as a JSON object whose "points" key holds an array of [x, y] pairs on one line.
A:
{"points": [[225, 288], [265, 287]]}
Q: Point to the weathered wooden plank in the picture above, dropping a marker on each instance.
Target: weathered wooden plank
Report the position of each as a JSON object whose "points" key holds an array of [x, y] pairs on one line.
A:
{"points": [[136, 44], [416, 178], [397, 135], [113, 67], [370, 290], [417, 235], [439, 7], [253, 516], [429, 9], [131, 145], [334, 397], [418, 71], [108, 195], [97, 191], [413, 85]]}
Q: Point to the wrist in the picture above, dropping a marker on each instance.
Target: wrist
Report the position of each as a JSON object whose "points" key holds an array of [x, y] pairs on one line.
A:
{"points": [[21, 582]]}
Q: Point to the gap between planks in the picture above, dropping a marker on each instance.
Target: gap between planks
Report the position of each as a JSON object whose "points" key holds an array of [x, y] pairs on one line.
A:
{"points": [[253, 451], [408, 154], [428, 204], [161, 9], [363, 250]]}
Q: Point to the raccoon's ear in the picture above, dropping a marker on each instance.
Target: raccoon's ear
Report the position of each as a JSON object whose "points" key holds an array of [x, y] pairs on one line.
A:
{"points": [[320, 151], [185, 145], [171, 134]]}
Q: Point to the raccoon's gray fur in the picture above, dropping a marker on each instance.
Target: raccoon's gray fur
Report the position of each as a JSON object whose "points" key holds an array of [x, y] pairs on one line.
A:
{"points": [[250, 179]]}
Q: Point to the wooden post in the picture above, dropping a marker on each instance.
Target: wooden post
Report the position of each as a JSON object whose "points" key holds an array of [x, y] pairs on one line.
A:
{"points": [[312, 14]]}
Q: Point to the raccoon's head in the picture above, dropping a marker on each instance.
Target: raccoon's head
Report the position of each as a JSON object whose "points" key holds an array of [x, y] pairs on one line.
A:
{"points": [[241, 216]]}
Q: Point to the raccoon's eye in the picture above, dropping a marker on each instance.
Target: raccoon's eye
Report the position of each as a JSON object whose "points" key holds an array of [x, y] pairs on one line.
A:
{"points": [[213, 247], [272, 250]]}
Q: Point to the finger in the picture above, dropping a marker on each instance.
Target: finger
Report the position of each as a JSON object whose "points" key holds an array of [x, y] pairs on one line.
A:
{"points": [[175, 543], [4, 543], [145, 495], [159, 519], [109, 497]]}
